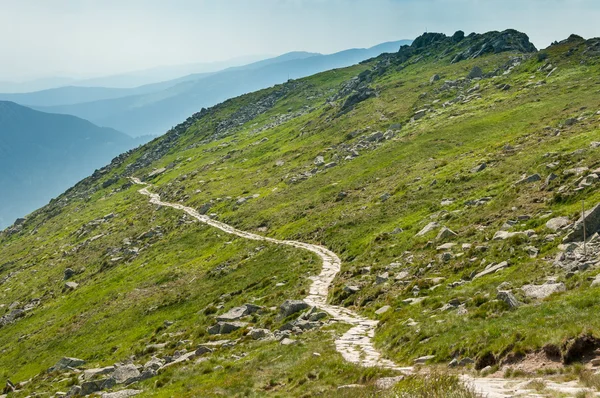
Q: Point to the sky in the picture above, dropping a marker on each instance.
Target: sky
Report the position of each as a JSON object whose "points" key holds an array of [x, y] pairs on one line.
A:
{"points": [[86, 38]]}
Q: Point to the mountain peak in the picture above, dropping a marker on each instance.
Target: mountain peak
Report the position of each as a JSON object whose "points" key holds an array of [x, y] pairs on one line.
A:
{"points": [[461, 47]]}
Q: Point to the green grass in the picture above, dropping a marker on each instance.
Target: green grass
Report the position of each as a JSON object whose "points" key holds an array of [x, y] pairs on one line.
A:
{"points": [[120, 307]]}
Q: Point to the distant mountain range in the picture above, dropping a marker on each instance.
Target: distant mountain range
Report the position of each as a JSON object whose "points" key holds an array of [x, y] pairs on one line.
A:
{"points": [[127, 79], [153, 109], [42, 154]]}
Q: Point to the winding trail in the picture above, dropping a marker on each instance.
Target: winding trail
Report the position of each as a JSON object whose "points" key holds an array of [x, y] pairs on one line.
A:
{"points": [[356, 344]]}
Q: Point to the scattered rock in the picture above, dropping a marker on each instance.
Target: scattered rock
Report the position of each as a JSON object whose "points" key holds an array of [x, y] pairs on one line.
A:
{"points": [[383, 310], [479, 167], [422, 360], [543, 291], [558, 223], [492, 268], [476, 72], [445, 233], [71, 285], [508, 298], [69, 273], [67, 363], [434, 78], [124, 373], [428, 228], [290, 307], [226, 327], [503, 235], [529, 179], [592, 225]]}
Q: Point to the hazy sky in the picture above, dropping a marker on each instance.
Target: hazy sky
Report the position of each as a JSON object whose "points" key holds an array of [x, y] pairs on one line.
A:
{"points": [[99, 37]]}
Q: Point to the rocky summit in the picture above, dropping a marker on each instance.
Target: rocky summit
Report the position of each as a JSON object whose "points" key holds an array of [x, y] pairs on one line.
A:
{"points": [[426, 216]]}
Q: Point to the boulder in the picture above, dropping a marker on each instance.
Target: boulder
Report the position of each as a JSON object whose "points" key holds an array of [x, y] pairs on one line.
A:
{"points": [[236, 313], [319, 161], [124, 373], [89, 387], [89, 374], [67, 363], [592, 225], [503, 235], [557, 223], [258, 334], [226, 327], [290, 307], [508, 298], [154, 363], [475, 73], [434, 78], [71, 285], [543, 291]]}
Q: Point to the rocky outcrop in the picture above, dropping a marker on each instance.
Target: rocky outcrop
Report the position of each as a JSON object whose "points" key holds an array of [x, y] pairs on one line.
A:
{"points": [[592, 225]]}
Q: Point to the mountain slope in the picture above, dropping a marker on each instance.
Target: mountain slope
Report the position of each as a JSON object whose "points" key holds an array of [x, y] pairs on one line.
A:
{"points": [[43, 154], [156, 112], [445, 177]]}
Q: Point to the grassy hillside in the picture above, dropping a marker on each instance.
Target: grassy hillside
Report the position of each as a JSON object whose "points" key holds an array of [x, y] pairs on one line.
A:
{"points": [[358, 160]]}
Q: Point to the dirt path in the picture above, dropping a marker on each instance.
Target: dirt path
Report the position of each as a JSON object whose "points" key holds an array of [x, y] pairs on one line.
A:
{"points": [[356, 344]]}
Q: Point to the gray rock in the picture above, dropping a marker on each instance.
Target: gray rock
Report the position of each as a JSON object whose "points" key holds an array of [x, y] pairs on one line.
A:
{"points": [[287, 341], [226, 327], [445, 233], [121, 394], [428, 228], [557, 223], [236, 313], [89, 387], [258, 334], [476, 72], [424, 359], [124, 373], [434, 78], [382, 278], [319, 161], [154, 363], [69, 273], [492, 268], [453, 363], [71, 285], [479, 167], [75, 391], [317, 316], [351, 289], [503, 235], [529, 179], [592, 225], [383, 310], [67, 363], [419, 114], [543, 291], [290, 307], [89, 374], [508, 298], [466, 361]]}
